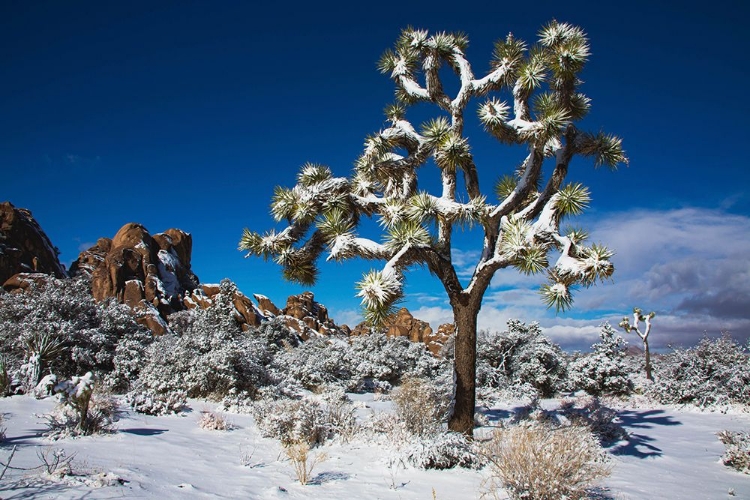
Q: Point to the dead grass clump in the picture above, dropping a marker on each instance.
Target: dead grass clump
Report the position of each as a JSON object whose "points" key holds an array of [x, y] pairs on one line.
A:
{"points": [[303, 461], [537, 461], [213, 421]]}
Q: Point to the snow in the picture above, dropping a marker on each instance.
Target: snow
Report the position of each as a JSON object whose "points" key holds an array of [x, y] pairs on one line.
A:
{"points": [[672, 454], [168, 264]]}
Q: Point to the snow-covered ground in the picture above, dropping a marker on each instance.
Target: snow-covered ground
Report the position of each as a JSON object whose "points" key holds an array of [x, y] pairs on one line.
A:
{"points": [[671, 454]]}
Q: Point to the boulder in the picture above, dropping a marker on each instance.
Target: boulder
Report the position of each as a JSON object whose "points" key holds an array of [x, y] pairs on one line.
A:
{"points": [[24, 247], [148, 273], [403, 324]]}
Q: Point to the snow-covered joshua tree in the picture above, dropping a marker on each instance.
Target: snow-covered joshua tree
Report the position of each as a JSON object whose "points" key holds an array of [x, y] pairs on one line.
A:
{"points": [[638, 316], [520, 229]]}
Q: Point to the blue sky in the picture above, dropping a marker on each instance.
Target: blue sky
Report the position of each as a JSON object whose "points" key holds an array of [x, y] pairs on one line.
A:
{"points": [[187, 114]]}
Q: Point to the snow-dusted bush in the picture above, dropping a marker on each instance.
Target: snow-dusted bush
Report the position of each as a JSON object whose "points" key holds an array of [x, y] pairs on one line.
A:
{"points": [[364, 363], [214, 421], [522, 357], [422, 406], [737, 450], [315, 363], [339, 414], [80, 412], [56, 327], [537, 461], [212, 358], [715, 372], [604, 371], [291, 420], [441, 449], [150, 402]]}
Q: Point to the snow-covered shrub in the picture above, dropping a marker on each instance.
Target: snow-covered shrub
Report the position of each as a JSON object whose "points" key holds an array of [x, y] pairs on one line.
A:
{"points": [[56, 327], [590, 413], [213, 421], [604, 371], [362, 363], [715, 372], [150, 402], [212, 358], [440, 449], [737, 450], [537, 461], [291, 420], [315, 363], [339, 414], [80, 412], [521, 356], [377, 358], [422, 406]]}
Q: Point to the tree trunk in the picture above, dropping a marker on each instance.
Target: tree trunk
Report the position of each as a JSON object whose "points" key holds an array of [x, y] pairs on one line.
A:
{"points": [[649, 375], [465, 369]]}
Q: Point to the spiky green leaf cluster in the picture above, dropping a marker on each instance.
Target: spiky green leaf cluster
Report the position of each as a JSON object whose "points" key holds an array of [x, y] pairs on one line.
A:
{"points": [[509, 53], [453, 153], [379, 292], [311, 174], [334, 223], [518, 246], [395, 111], [596, 264], [423, 207], [407, 232], [493, 115], [505, 186], [556, 294], [436, 131], [572, 199], [605, 148]]}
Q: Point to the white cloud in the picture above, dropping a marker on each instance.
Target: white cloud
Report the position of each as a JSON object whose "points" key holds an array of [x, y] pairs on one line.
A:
{"points": [[690, 265]]}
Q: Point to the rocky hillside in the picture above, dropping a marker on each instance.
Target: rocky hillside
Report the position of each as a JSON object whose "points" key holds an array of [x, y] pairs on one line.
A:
{"points": [[152, 274], [24, 247]]}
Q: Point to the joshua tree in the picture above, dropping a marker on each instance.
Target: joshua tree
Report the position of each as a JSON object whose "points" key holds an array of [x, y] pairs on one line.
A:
{"points": [[638, 316], [519, 229]]}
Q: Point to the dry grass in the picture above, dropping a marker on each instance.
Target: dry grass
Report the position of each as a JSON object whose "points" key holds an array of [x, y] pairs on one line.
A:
{"points": [[303, 461], [419, 405], [213, 421], [535, 461]]}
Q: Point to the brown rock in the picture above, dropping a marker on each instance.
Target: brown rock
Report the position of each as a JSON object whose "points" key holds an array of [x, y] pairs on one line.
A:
{"points": [[139, 269], [22, 281], [24, 247], [266, 306], [307, 317], [403, 324]]}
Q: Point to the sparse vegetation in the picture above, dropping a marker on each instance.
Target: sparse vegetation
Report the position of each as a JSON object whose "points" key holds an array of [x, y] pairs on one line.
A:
{"points": [[537, 461]]}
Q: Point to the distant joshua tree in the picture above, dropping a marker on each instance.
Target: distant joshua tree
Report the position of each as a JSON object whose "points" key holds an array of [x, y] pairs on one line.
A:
{"points": [[520, 228], [638, 316]]}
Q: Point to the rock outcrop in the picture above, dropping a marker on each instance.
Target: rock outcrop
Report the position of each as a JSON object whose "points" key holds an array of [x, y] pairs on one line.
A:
{"points": [[302, 314], [246, 314], [403, 324], [141, 270], [24, 247]]}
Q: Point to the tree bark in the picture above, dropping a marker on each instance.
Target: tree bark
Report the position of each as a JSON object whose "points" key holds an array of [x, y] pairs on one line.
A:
{"points": [[465, 369], [649, 374]]}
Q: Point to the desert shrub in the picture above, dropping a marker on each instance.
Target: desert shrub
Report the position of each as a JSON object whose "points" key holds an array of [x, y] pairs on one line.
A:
{"points": [[339, 414], [422, 406], [315, 363], [303, 461], [291, 420], [56, 327], [362, 363], [212, 358], [150, 402], [715, 372], [440, 449], [604, 371], [521, 356], [213, 421], [81, 411], [382, 358], [590, 413], [737, 450], [538, 461]]}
